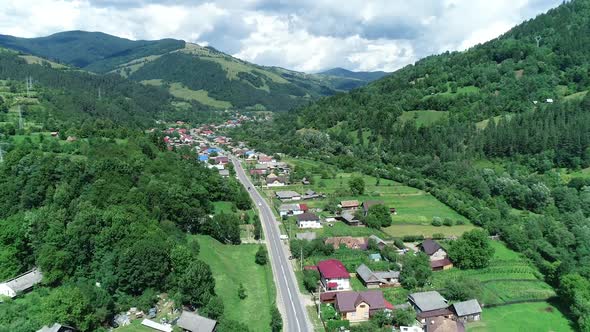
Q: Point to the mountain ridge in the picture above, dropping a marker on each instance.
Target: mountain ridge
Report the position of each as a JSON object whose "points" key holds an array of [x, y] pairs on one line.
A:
{"points": [[252, 86]]}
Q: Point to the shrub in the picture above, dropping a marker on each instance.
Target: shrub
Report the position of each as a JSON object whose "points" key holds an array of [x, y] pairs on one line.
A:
{"points": [[413, 238], [399, 243], [448, 222], [460, 222], [261, 256], [438, 236], [436, 223]]}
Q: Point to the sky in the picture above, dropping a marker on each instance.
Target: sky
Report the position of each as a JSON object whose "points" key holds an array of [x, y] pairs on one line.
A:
{"points": [[303, 35]]}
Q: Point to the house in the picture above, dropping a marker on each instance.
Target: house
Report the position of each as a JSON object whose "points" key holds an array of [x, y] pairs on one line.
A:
{"points": [[192, 322], [22, 283], [308, 220], [376, 257], [264, 159], [349, 205], [222, 160], [349, 218], [441, 264], [429, 305], [308, 236], [310, 194], [378, 278], [427, 301], [305, 182], [288, 195], [203, 158], [286, 210], [358, 243], [359, 306], [333, 275], [380, 243], [443, 324], [224, 173], [438, 256], [56, 328], [467, 311], [258, 171], [367, 205], [433, 250], [276, 182]]}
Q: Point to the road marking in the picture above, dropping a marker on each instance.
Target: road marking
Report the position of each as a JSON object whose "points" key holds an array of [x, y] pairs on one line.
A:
{"points": [[268, 217]]}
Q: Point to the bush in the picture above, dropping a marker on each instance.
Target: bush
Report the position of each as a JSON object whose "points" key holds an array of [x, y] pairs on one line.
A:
{"points": [[460, 222], [399, 244], [438, 236], [335, 325], [242, 292], [448, 222], [310, 279], [436, 223], [413, 238], [261, 256]]}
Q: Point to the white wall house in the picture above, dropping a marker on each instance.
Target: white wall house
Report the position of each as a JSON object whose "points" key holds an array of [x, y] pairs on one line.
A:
{"points": [[308, 220]]}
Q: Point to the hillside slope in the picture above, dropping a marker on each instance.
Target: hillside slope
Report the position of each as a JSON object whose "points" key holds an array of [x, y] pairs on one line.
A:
{"points": [[367, 76], [189, 71], [516, 119], [509, 74]]}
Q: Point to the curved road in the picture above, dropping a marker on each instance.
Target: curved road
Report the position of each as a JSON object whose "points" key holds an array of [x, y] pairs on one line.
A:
{"points": [[293, 311]]}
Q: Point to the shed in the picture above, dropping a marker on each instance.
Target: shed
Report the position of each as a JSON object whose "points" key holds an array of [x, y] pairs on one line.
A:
{"points": [[190, 321]]}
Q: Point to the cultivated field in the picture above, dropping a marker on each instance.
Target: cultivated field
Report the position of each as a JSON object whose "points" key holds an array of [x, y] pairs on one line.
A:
{"points": [[415, 208]]}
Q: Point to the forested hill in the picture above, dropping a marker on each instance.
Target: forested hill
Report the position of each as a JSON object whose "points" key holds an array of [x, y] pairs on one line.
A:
{"points": [[507, 74], [188, 71], [500, 133], [95, 51]]}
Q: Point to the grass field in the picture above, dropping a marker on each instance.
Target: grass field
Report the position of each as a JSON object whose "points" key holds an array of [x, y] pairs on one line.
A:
{"points": [[423, 118], [202, 96], [537, 316], [509, 277], [232, 265], [415, 208]]}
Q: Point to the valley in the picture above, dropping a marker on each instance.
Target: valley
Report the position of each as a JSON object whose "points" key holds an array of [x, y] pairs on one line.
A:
{"points": [[158, 184]]}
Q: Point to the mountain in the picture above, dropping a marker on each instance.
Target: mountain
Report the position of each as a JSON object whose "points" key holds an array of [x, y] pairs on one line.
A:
{"points": [[366, 76], [189, 71], [89, 50]]}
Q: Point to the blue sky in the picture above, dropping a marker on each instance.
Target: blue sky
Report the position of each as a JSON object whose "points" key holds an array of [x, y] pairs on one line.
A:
{"points": [[304, 35]]}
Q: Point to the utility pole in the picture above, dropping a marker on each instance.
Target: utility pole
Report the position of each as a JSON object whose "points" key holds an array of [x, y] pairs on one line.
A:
{"points": [[301, 258], [319, 299]]}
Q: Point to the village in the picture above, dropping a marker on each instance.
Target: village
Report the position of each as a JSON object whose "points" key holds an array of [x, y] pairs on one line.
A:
{"points": [[354, 295], [345, 235]]}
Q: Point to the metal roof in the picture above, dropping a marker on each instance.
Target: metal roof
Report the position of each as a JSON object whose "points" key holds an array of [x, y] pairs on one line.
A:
{"points": [[426, 301], [467, 308]]}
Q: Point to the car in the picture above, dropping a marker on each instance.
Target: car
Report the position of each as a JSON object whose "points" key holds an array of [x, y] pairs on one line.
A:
{"points": [[291, 257]]}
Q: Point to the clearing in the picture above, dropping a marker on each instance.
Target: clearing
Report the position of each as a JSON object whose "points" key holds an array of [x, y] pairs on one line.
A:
{"points": [[234, 265]]}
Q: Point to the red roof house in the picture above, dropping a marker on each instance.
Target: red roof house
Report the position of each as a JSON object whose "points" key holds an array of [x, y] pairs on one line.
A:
{"points": [[334, 275], [303, 207], [332, 268]]}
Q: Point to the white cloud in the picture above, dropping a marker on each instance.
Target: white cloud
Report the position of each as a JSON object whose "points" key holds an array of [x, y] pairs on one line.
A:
{"points": [[307, 35]]}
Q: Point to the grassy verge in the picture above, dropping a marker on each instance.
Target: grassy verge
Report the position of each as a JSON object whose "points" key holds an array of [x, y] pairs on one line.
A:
{"points": [[232, 265]]}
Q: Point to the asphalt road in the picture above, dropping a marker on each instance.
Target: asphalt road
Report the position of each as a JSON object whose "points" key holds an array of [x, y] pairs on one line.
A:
{"points": [[295, 316]]}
